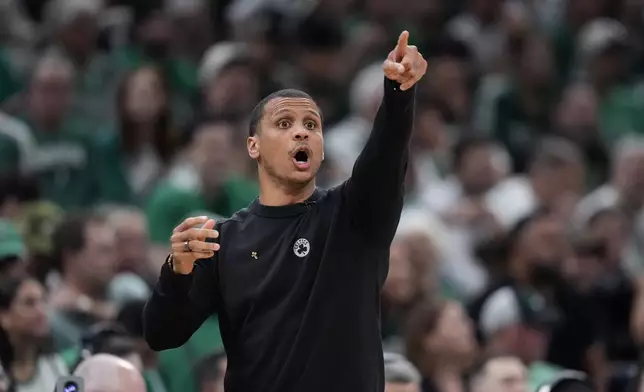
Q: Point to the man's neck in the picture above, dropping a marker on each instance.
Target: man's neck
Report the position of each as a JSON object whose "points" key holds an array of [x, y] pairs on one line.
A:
{"points": [[273, 194]]}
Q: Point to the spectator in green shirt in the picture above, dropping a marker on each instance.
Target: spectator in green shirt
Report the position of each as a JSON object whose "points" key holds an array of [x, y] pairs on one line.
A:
{"points": [[209, 181], [603, 57], [46, 142], [151, 45], [74, 28], [134, 156]]}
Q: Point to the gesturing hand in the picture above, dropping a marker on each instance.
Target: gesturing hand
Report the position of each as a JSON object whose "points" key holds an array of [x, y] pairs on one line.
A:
{"points": [[189, 243], [405, 64]]}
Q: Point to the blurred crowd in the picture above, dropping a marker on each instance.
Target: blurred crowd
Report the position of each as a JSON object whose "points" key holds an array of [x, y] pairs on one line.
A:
{"points": [[520, 251]]}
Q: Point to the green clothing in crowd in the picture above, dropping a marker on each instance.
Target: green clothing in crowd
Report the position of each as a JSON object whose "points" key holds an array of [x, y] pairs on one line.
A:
{"points": [[540, 373], [171, 203], [9, 84], [177, 366], [620, 112], [95, 86], [111, 170], [59, 160]]}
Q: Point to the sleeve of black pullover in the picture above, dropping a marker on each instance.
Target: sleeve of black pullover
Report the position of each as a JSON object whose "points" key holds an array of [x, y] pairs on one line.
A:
{"points": [[374, 194], [180, 304]]}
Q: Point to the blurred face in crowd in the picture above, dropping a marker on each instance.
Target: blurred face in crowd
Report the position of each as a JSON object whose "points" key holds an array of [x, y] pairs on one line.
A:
{"points": [[542, 249], [448, 81], [582, 11], [289, 145], [399, 288], [211, 151], [628, 175], [145, 96], [96, 262], [485, 10], [612, 228], [537, 63], [338, 8], [609, 66], [429, 129], [453, 337], [559, 184], [478, 170], [80, 36], [425, 11], [382, 11], [155, 35], [50, 91], [26, 317], [524, 341], [424, 258], [502, 374], [319, 65], [576, 114], [192, 30], [134, 242], [235, 90]]}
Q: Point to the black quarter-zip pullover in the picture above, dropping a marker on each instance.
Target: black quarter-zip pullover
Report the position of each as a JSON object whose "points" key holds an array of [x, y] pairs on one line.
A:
{"points": [[297, 287]]}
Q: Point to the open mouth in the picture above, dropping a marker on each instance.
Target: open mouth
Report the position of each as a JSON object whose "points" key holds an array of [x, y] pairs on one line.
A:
{"points": [[301, 158]]}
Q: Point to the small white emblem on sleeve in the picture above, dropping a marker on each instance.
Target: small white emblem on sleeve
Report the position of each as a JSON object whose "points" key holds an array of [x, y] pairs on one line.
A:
{"points": [[301, 248]]}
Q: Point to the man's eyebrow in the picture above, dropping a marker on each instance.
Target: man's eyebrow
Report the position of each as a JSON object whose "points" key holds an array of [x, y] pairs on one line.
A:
{"points": [[314, 112], [290, 111]]}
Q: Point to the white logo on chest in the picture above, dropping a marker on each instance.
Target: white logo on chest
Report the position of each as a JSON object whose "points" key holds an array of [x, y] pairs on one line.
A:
{"points": [[301, 248]]}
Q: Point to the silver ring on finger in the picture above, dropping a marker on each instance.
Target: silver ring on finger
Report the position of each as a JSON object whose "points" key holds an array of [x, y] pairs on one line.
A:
{"points": [[186, 246]]}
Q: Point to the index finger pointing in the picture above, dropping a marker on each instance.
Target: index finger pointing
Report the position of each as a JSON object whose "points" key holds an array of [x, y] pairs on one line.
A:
{"points": [[190, 223], [401, 46]]}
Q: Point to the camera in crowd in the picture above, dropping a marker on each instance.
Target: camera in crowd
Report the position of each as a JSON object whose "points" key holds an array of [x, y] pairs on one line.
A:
{"points": [[69, 384]]}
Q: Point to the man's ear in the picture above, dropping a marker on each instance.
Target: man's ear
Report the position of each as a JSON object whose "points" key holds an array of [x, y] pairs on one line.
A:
{"points": [[252, 144]]}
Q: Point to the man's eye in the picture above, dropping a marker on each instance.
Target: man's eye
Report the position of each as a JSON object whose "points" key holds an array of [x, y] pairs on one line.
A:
{"points": [[284, 124], [310, 125]]}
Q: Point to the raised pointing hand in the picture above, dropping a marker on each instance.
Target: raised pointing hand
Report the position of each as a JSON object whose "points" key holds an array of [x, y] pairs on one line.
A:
{"points": [[405, 64], [189, 242]]}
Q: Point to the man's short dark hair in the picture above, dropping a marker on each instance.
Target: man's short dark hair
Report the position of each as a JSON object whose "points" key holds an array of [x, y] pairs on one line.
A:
{"points": [[258, 110]]}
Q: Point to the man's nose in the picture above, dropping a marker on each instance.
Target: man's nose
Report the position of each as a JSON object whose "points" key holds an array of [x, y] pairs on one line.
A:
{"points": [[301, 134]]}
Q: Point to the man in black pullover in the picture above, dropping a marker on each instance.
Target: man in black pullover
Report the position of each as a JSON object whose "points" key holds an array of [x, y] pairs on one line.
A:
{"points": [[296, 277]]}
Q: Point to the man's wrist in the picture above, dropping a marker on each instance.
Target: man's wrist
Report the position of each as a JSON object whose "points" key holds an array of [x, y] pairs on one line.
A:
{"points": [[178, 267]]}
